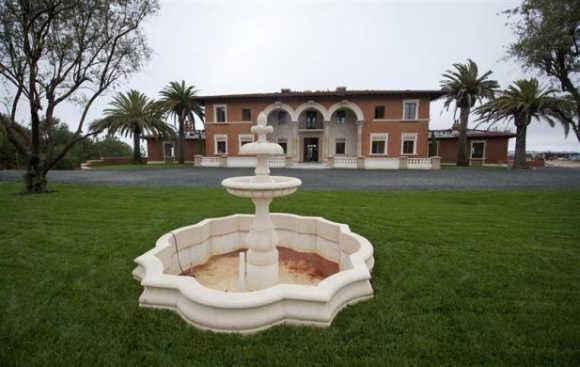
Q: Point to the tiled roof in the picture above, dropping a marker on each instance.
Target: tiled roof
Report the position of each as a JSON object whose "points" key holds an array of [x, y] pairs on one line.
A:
{"points": [[339, 92]]}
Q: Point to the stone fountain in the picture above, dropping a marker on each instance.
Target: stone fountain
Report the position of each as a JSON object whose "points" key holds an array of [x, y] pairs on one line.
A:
{"points": [[245, 273]]}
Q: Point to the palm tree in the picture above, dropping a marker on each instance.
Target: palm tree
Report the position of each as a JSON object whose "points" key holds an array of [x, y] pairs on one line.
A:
{"points": [[523, 101], [179, 100], [133, 114], [466, 87]]}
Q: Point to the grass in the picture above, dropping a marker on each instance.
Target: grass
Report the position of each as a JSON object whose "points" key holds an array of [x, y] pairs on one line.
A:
{"points": [[461, 278]]}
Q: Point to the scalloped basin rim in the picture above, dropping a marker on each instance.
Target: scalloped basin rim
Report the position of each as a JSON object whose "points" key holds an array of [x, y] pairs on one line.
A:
{"points": [[247, 183], [248, 312]]}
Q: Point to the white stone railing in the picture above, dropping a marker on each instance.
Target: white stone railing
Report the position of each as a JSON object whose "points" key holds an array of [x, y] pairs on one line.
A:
{"points": [[345, 162], [209, 161], [418, 163], [241, 161], [277, 162], [383, 163], [402, 162]]}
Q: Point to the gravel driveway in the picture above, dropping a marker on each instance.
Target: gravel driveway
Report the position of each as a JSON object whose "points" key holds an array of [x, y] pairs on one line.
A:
{"points": [[328, 179]]}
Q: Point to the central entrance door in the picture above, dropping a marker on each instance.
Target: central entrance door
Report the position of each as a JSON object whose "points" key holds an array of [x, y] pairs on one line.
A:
{"points": [[310, 149]]}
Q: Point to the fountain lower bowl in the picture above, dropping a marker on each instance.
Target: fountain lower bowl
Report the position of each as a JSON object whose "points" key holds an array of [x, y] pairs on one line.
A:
{"points": [[159, 272]]}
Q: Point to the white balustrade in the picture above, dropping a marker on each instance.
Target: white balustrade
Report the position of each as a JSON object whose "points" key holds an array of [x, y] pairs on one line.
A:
{"points": [[210, 161], [419, 163], [345, 162]]}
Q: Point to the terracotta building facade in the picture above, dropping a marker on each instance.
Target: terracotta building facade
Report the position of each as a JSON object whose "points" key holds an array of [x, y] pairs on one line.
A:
{"points": [[328, 128], [160, 149], [484, 147]]}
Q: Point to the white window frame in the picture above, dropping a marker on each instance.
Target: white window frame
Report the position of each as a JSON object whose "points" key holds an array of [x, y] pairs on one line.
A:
{"points": [[336, 141], [378, 137], [215, 143], [471, 148], [409, 137], [244, 136], [215, 107], [416, 102]]}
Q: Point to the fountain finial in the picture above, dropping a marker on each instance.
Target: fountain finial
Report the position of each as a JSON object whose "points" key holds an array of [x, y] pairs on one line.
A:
{"points": [[261, 148]]}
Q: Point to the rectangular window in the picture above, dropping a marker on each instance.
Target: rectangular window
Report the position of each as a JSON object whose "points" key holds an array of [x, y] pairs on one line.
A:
{"points": [[409, 144], [410, 110], [340, 116], [340, 146], [284, 144], [379, 144], [282, 117], [379, 112], [245, 139], [246, 114], [221, 144], [477, 149], [220, 113]]}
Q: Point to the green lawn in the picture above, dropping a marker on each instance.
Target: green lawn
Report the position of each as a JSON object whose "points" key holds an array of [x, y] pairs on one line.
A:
{"points": [[461, 278]]}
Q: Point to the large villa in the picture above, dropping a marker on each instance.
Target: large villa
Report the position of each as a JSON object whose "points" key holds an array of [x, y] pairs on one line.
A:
{"points": [[370, 129]]}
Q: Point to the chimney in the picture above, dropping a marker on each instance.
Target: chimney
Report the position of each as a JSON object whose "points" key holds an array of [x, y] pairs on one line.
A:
{"points": [[341, 89], [285, 90]]}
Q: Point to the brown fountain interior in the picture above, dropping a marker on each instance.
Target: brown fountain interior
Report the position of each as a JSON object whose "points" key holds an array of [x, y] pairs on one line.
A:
{"points": [[221, 271]]}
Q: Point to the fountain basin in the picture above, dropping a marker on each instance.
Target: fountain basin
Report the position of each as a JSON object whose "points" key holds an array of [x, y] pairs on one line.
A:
{"points": [[159, 272]]}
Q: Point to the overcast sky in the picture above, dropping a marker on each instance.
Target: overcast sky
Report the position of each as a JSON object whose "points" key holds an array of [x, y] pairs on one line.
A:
{"points": [[245, 46]]}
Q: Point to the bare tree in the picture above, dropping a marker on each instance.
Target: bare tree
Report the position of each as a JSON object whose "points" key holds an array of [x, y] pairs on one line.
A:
{"points": [[52, 51]]}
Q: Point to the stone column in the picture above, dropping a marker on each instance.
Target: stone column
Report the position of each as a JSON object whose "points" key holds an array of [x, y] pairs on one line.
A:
{"points": [[359, 127], [297, 147], [326, 141]]}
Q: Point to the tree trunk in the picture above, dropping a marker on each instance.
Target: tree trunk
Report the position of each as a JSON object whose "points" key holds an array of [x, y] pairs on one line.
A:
{"points": [[181, 140], [35, 177], [520, 157], [137, 146], [462, 140]]}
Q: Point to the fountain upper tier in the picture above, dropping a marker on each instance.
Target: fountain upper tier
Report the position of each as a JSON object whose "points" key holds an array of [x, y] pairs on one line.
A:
{"points": [[262, 185]]}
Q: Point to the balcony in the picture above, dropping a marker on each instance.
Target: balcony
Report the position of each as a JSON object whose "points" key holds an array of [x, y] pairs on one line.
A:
{"points": [[310, 125]]}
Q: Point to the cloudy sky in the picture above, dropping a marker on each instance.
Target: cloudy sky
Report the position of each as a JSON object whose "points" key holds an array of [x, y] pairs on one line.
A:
{"points": [[247, 46]]}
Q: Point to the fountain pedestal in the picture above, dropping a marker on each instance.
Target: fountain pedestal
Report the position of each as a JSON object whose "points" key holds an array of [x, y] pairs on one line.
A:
{"points": [[262, 257]]}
